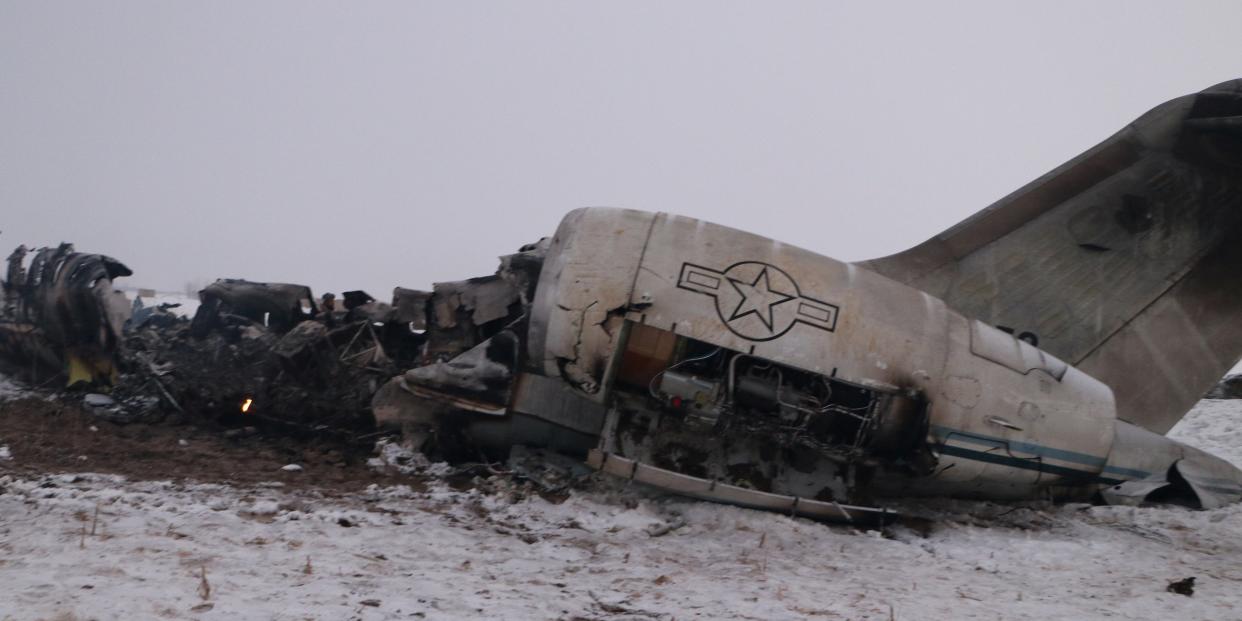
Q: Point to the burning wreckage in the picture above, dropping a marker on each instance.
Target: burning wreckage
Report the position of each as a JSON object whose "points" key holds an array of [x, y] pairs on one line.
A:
{"points": [[1039, 349]]}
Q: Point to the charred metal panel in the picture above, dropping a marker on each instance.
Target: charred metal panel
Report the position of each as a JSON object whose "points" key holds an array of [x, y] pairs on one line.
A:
{"points": [[479, 380], [476, 301], [460, 312], [522, 269], [277, 305], [553, 400], [306, 349], [411, 307], [470, 336], [15, 282], [355, 299], [464, 313]]}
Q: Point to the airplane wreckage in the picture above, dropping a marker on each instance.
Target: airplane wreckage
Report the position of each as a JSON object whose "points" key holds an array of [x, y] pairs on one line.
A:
{"points": [[1039, 349]]}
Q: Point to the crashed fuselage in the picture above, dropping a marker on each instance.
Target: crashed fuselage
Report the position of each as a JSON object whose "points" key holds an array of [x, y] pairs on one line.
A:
{"points": [[870, 386], [720, 364]]}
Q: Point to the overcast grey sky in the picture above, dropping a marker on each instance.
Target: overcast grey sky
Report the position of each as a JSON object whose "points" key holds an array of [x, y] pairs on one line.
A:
{"points": [[367, 145]]}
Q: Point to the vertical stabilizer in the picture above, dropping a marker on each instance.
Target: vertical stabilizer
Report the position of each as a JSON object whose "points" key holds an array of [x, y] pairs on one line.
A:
{"points": [[1124, 261]]}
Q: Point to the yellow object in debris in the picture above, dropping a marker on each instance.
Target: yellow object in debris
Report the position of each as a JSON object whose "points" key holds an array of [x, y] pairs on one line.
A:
{"points": [[95, 370]]}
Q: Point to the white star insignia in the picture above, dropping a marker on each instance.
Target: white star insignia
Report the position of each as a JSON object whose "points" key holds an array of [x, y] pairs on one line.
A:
{"points": [[758, 298]]}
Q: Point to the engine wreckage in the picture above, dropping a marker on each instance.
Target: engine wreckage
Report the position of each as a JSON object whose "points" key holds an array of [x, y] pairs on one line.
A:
{"points": [[1039, 349]]}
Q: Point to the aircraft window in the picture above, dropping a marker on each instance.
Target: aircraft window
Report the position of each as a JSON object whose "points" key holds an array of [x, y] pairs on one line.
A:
{"points": [[991, 344]]}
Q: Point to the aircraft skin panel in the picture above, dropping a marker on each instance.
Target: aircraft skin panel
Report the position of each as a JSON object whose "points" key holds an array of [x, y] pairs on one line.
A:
{"points": [[1007, 424], [584, 282], [1186, 340], [824, 316], [1091, 260]]}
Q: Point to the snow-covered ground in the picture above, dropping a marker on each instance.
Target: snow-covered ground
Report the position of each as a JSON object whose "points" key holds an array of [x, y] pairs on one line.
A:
{"points": [[1215, 425], [91, 546], [8, 390]]}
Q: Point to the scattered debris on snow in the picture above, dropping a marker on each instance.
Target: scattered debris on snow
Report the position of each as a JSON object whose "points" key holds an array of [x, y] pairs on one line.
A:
{"points": [[404, 460], [1186, 586]]}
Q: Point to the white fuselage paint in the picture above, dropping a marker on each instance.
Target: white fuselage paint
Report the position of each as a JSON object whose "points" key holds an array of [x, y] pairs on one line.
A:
{"points": [[1006, 419]]}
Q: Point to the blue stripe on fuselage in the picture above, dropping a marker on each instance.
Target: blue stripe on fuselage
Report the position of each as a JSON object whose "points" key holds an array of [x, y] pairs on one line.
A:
{"points": [[1095, 462], [1025, 447]]}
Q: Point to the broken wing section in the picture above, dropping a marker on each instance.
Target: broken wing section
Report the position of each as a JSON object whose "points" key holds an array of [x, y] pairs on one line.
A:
{"points": [[1121, 262]]}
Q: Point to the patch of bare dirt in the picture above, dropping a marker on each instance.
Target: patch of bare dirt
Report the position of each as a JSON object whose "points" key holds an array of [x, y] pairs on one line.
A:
{"points": [[52, 436]]}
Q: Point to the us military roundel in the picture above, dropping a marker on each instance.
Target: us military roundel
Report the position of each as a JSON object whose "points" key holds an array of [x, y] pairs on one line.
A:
{"points": [[757, 301]]}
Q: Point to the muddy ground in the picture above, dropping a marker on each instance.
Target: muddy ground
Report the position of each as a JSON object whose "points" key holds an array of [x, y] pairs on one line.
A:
{"points": [[54, 436]]}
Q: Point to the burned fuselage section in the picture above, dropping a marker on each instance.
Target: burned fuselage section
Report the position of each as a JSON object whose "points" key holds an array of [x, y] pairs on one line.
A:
{"points": [[233, 302], [61, 312], [473, 334]]}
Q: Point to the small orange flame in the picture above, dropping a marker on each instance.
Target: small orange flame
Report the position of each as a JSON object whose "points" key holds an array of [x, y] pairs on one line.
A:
{"points": [[246, 405]]}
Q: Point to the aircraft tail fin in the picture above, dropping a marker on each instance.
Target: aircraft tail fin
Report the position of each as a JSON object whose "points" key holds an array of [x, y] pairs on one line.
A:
{"points": [[1124, 261]]}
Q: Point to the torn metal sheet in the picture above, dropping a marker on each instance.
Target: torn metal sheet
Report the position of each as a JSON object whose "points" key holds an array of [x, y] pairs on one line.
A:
{"points": [[1187, 481], [410, 307], [480, 379], [478, 300], [463, 314]]}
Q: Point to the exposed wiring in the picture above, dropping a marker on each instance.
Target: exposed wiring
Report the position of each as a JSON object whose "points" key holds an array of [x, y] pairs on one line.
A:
{"points": [[652, 383]]}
